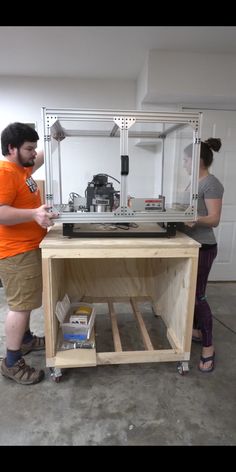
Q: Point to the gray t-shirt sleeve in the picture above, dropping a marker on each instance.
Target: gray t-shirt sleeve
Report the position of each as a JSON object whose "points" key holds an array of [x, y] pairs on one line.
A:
{"points": [[211, 187]]}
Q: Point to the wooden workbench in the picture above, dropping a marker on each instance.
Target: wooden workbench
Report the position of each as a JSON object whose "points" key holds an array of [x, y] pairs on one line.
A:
{"points": [[160, 270]]}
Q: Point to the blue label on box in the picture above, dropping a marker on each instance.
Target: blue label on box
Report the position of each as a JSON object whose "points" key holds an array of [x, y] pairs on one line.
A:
{"points": [[74, 337]]}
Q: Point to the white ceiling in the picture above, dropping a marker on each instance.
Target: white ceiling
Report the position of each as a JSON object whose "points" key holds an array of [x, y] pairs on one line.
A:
{"points": [[101, 51]]}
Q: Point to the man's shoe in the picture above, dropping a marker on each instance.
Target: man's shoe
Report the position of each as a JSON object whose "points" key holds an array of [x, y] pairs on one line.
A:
{"points": [[36, 344], [22, 373]]}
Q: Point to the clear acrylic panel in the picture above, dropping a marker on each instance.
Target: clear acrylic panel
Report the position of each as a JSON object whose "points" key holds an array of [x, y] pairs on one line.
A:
{"points": [[89, 143]]}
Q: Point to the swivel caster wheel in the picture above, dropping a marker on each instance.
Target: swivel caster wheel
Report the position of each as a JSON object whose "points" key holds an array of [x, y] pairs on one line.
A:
{"points": [[55, 374], [183, 367]]}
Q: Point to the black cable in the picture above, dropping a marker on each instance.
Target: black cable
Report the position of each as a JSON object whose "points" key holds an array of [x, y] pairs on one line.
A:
{"points": [[107, 175], [72, 195]]}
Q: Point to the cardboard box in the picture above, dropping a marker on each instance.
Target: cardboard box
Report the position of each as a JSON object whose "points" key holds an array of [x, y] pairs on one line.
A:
{"points": [[76, 319]]}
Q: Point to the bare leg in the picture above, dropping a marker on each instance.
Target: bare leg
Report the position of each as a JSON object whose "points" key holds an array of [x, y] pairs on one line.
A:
{"points": [[16, 325], [197, 333]]}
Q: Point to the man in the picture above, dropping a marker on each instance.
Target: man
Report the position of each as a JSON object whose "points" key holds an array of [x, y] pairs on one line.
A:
{"points": [[23, 224]]}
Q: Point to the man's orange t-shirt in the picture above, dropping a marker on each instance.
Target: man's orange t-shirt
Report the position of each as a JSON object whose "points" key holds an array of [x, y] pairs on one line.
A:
{"points": [[19, 190]]}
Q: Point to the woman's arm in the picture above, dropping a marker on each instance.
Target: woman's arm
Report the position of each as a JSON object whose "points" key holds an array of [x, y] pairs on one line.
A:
{"points": [[214, 207], [38, 161]]}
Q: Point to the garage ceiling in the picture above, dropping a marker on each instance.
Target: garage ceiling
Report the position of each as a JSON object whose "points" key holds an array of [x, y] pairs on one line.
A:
{"points": [[101, 51]]}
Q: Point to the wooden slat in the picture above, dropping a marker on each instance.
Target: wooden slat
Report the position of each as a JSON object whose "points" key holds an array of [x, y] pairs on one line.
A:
{"points": [[50, 323], [115, 329], [89, 299], [73, 252], [143, 330], [134, 357], [175, 344], [143, 298], [73, 358]]}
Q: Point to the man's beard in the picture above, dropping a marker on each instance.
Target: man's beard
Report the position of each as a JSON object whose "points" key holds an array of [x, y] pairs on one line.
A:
{"points": [[25, 164]]}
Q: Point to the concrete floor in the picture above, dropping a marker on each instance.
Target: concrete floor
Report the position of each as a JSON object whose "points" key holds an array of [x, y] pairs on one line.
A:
{"points": [[136, 404]]}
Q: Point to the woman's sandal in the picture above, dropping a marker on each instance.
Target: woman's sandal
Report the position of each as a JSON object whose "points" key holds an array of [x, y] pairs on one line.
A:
{"points": [[207, 359]]}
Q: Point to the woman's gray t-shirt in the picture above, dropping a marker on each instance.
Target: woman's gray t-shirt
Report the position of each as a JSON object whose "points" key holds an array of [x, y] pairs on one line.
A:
{"points": [[208, 188]]}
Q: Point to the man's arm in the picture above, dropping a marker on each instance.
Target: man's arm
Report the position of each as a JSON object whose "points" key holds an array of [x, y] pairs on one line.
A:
{"points": [[12, 216], [39, 161]]}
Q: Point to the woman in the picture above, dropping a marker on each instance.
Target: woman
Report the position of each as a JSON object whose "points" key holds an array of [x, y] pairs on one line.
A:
{"points": [[210, 194]]}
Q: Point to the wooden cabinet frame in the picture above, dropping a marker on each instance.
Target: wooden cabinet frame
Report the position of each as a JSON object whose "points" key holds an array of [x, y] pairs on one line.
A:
{"points": [[163, 271]]}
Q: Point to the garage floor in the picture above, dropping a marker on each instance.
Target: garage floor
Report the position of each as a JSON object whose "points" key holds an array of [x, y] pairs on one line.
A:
{"points": [[136, 404]]}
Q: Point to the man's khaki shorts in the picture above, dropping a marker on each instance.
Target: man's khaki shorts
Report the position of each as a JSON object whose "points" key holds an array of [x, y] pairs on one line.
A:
{"points": [[21, 276]]}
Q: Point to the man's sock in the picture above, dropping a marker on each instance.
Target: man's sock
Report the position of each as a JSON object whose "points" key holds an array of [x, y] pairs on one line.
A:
{"points": [[27, 337], [13, 357]]}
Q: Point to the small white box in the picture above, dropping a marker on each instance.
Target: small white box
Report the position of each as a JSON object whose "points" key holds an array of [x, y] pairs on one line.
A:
{"points": [[81, 317]]}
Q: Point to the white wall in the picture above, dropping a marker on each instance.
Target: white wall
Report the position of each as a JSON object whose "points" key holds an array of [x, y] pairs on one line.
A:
{"points": [[21, 99]]}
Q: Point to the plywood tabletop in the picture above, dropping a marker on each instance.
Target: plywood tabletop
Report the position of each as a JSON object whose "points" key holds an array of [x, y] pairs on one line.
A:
{"points": [[55, 239]]}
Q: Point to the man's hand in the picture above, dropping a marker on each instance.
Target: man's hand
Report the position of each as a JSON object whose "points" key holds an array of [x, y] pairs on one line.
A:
{"points": [[191, 224], [44, 217]]}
